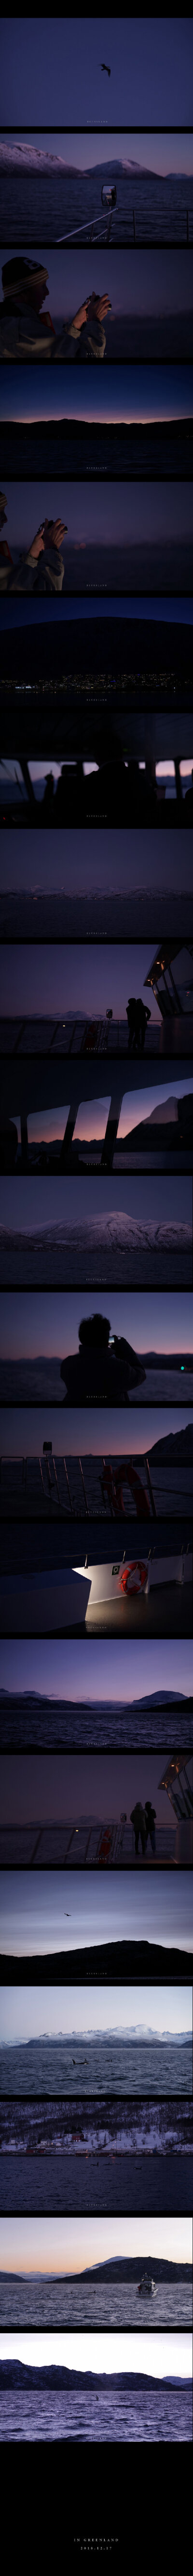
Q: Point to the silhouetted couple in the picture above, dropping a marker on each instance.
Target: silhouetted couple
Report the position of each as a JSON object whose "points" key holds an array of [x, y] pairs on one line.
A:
{"points": [[137, 1018], [143, 1819], [97, 1374]]}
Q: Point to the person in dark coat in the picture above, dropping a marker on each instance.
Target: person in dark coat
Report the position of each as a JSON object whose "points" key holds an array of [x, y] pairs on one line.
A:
{"points": [[97, 1374], [150, 1813], [137, 1819], [137, 1018]]}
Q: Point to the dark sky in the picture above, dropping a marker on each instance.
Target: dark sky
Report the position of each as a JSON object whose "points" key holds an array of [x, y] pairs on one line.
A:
{"points": [[165, 1195], [23, 612], [84, 980], [121, 394], [144, 285], [56, 1786], [57, 859], [151, 77], [23, 1430], [114, 514], [46, 1323], [46, 1910], [67, 1669]]}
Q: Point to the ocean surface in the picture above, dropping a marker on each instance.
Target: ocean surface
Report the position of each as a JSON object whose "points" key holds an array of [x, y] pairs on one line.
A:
{"points": [[118, 1252], [119, 2065], [113, 2306], [172, 1486], [60, 1725], [56, 447], [110, 2183], [160, 2415], [39, 1380], [46, 208], [98, 917]]}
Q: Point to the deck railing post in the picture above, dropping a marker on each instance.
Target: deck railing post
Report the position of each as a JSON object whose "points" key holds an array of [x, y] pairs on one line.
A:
{"points": [[134, 226], [109, 226], [187, 226], [150, 1489]]}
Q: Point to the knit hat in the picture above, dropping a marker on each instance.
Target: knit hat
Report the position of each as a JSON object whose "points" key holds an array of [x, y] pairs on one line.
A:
{"points": [[17, 272]]}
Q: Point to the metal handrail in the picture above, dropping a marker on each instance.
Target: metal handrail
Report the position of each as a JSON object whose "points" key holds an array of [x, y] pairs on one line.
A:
{"points": [[83, 228], [99, 219]]}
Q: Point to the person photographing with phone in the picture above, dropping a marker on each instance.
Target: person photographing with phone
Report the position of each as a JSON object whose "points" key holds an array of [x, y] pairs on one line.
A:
{"points": [[41, 570], [27, 333]]}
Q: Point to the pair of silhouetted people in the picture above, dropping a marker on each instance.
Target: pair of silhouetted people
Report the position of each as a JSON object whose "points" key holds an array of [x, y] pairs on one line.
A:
{"points": [[137, 1019], [97, 1373], [143, 1819]]}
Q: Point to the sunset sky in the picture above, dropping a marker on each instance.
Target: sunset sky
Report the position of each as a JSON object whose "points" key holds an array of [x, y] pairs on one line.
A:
{"points": [[39, 1322], [23, 1428], [57, 979], [133, 393], [158, 152], [57, 1787], [67, 1669], [68, 2245], [92, 1115]]}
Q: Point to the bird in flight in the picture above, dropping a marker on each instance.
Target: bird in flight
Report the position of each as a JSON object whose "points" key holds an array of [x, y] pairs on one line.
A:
{"points": [[105, 67]]}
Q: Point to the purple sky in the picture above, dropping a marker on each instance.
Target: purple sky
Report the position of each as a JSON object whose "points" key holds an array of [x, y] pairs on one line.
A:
{"points": [[123, 394], [67, 1669], [59, 980], [54, 1787], [120, 514], [165, 1195], [49, 1910], [145, 285], [158, 152], [149, 75], [35, 1322], [56, 859], [23, 1430]]}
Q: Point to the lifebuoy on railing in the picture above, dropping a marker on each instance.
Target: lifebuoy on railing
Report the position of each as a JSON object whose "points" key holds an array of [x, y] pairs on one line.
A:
{"points": [[112, 1483], [134, 1577]]}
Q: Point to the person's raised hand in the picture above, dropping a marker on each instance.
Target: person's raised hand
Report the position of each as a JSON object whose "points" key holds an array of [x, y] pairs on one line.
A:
{"points": [[37, 547], [101, 305], [54, 531], [81, 316]]}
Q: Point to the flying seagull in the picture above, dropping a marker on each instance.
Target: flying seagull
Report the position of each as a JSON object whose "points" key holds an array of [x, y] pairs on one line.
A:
{"points": [[105, 67]]}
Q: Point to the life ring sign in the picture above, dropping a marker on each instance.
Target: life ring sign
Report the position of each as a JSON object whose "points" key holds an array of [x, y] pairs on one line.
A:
{"points": [[135, 1577]]}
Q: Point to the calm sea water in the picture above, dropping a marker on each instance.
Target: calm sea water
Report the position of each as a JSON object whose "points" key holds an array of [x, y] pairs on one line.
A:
{"points": [[103, 2184], [54, 1724], [154, 2415], [42, 208], [101, 2064], [99, 917], [24, 1258], [57, 2305], [40, 1380]]}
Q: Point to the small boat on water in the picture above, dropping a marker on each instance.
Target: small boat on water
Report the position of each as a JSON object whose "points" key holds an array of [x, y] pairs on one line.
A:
{"points": [[147, 2287]]}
